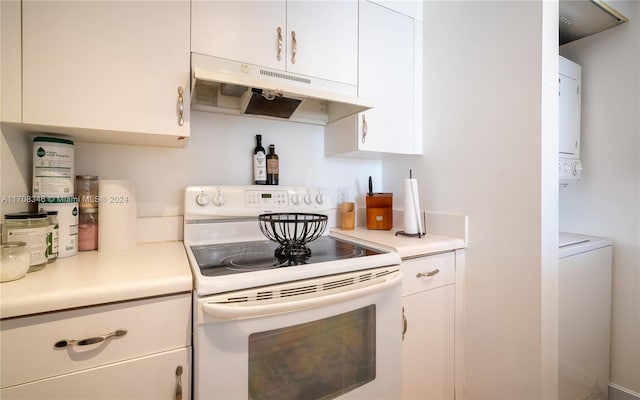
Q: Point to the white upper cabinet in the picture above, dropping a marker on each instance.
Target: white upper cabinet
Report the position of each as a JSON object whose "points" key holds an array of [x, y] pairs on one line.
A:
{"points": [[313, 38], [326, 39], [107, 70], [570, 108], [240, 30], [389, 61]]}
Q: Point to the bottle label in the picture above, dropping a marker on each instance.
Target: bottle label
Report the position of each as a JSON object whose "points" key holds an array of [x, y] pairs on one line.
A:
{"points": [[273, 166], [259, 167], [36, 239]]}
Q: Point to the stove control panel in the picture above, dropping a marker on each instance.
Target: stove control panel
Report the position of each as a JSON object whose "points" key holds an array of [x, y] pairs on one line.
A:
{"points": [[202, 202]]}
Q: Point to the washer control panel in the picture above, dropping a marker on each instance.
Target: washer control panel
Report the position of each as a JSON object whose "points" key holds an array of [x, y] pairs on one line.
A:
{"points": [[569, 170]]}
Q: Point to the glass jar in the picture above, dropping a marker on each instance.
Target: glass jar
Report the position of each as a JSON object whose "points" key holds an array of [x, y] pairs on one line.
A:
{"points": [[87, 190], [31, 228], [88, 229], [53, 238], [14, 261]]}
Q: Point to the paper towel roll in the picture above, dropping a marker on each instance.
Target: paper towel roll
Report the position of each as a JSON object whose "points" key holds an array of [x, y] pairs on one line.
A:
{"points": [[117, 216], [412, 219]]}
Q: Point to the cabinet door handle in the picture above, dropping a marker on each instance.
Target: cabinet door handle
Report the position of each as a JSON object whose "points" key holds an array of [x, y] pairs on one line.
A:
{"points": [[294, 47], [179, 383], [61, 344], [427, 274], [405, 324], [364, 128], [180, 106], [279, 57]]}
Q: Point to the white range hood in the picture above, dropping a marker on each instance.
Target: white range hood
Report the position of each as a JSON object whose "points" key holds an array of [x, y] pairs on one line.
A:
{"points": [[231, 87]]}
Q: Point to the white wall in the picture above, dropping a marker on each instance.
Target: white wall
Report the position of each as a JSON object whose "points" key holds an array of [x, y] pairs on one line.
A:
{"points": [[487, 137], [219, 152], [606, 202]]}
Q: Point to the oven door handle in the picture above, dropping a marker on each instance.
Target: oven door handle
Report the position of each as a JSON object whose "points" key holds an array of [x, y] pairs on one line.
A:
{"points": [[242, 311]]}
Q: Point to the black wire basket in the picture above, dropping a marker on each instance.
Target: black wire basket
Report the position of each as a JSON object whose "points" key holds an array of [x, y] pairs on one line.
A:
{"points": [[292, 231]]}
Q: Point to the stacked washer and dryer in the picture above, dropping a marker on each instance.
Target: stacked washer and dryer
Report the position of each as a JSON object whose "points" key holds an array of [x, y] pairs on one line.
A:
{"points": [[585, 270]]}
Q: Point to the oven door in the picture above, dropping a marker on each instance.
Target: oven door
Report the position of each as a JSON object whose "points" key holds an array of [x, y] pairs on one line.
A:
{"points": [[331, 337]]}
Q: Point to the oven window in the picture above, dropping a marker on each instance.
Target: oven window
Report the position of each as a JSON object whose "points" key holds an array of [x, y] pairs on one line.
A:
{"points": [[317, 360]]}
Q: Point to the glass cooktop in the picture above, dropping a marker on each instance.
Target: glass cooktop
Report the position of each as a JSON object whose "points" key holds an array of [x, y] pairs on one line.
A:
{"points": [[232, 258]]}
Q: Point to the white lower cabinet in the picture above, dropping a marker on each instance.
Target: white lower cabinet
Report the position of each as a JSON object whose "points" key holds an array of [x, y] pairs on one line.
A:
{"points": [[150, 377], [137, 349], [429, 340]]}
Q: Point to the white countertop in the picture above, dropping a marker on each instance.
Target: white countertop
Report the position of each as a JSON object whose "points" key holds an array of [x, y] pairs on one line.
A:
{"points": [[93, 277], [407, 247]]}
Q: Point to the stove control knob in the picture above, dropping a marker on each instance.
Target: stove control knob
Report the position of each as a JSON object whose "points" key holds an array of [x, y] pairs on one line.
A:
{"points": [[219, 199], [295, 199], [202, 199], [307, 198], [319, 198]]}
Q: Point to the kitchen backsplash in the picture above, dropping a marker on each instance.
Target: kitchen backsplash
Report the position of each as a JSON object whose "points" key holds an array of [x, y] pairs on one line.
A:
{"points": [[219, 152]]}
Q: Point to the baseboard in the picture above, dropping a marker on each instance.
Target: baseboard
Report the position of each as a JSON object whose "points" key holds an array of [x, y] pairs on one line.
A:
{"points": [[619, 393]]}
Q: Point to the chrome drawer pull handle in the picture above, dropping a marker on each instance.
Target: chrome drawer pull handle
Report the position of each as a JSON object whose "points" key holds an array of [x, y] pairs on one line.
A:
{"points": [[178, 383], [405, 324], [427, 274], [85, 342], [279, 54], [180, 106], [294, 47], [364, 128]]}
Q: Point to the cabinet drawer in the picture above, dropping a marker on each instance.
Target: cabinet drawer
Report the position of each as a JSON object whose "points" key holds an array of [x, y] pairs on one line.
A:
{"points": [[150, 377], [152, 325], [428, 272]]}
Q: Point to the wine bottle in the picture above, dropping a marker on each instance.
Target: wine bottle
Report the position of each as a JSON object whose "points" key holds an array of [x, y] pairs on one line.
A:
{"points": [[259, 163], [273, 166]]}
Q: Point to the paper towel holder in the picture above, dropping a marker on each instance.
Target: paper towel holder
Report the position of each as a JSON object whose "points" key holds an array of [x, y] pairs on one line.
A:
{"points": [[418, 235], [424, 224]]}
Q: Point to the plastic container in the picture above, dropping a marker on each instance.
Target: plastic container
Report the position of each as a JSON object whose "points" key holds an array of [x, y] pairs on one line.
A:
{"points": [[14, 261], [31, 228], [53, 238], [53, 167], [87, 191], [88, 229], [68, 210]]}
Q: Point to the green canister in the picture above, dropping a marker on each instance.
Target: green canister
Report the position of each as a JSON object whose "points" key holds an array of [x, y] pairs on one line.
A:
{"points": [[53, 238]]}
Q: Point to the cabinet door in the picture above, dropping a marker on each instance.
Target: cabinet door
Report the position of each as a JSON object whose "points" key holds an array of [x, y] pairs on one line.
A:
{"points": [[569, 116], [244, 31], [326, 39], [428, 347], [151, 377], [386, 79], [107, 65], [570, 80]]}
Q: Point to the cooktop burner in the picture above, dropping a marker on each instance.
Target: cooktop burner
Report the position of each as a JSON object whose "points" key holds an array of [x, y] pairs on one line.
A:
{"points": [[231, 258]]}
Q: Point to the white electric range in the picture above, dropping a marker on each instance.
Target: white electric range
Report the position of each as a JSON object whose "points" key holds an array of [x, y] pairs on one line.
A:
{"points": [[324, 325]]}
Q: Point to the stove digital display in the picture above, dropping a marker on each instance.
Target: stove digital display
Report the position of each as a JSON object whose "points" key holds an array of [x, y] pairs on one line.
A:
{"points": [[266, 195]]}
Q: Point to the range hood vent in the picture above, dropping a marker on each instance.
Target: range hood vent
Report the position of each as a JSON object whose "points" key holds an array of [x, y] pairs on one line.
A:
{"points": [[230, 87], [581, 18]]}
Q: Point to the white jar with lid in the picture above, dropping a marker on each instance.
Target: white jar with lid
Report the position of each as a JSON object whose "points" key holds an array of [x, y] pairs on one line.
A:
{"points": [[31, 228], [14, 261]]}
